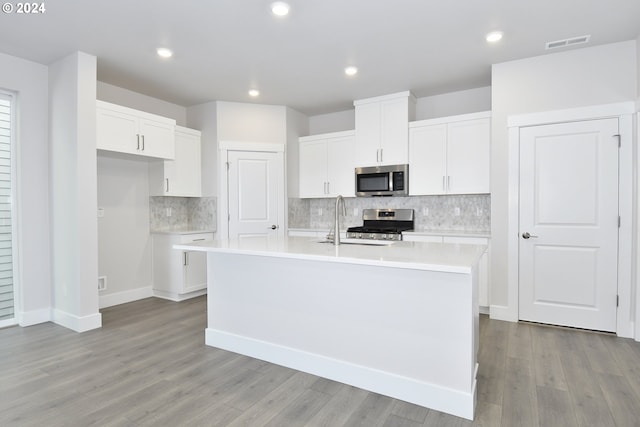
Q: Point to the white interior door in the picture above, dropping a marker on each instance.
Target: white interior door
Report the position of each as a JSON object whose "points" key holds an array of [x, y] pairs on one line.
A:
{"points": [[569, 224], [256, 193]]}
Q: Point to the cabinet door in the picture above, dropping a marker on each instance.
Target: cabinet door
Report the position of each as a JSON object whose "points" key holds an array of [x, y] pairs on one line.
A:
{"points": [[195, 271], [368, 117], [394, 141], [116, 131], [341, 154], [468, 156], [313, 168], [157, 139], [184, 173], [427, 160]]}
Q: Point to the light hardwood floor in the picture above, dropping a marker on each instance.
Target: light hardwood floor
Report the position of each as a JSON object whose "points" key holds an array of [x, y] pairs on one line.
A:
{"points": [[148, 366]]}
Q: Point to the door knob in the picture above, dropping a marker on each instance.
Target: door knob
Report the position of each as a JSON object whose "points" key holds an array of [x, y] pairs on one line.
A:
{"points": [[526, 235], [273, 227]]}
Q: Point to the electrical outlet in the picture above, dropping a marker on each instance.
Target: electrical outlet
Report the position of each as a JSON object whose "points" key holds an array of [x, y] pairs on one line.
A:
{"points": [[425, 211], [456, 211], [169, 212], [319, 212], [478, 211], [355, 211], [102, 283]]}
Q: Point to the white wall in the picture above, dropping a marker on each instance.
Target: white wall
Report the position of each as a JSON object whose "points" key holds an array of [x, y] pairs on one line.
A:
{"points": [[124, 243], [240, 122], [332, 122], [583, 77], [138, 101], [204, 118], [33, 283], [454, 103], [74, 246], [297, 126]]}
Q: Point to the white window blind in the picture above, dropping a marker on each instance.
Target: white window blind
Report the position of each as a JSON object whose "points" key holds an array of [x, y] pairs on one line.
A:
{"points": [[6, 235]]}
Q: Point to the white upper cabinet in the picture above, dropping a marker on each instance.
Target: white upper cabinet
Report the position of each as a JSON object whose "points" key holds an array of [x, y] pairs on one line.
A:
{"points": [[382, 129], [181, 176], [327, 164], [450, 155], [130, 131]]}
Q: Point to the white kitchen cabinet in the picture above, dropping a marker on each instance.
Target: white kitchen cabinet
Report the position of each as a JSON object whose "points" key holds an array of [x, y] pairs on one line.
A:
{"points": [[182, 176], [450, 155], [382, 125], [177, 274], [130, 131], [483, 267], [327, 164]]}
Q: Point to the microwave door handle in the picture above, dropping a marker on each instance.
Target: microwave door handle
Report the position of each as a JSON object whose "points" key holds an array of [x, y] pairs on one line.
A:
{"points": [[390, 181]]}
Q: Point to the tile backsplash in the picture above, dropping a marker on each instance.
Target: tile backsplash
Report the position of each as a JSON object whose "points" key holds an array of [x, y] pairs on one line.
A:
{"points": [[470, 213], [187, 213]]}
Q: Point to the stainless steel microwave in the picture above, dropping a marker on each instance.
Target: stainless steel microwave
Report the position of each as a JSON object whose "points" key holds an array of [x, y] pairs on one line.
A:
{"points": [[390, 180]]}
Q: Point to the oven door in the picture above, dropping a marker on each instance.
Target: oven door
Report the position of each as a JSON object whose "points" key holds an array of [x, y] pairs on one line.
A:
{"points": [[373, 183]]}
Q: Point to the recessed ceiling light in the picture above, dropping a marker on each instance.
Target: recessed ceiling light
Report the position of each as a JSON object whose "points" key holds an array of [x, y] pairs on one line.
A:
{"points": [[280, 8], [254, 92], [494, 36], [351, 71], [164, 52]]}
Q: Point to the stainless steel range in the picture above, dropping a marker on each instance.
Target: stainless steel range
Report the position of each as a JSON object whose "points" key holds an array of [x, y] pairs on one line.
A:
{"points": [[383, 224]]}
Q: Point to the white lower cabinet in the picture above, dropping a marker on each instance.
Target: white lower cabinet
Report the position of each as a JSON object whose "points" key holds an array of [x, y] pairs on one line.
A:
{"points": [[177, 274], [483, 268]]}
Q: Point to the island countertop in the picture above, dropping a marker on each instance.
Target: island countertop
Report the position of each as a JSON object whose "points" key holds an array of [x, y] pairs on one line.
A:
{"points": [[445, 257]]}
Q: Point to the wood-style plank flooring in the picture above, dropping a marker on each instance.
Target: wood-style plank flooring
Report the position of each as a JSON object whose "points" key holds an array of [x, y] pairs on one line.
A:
{"points": [[148, 366]]}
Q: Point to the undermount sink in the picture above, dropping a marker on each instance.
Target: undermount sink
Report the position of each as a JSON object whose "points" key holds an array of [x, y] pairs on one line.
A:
{"points": [[369, 242]]}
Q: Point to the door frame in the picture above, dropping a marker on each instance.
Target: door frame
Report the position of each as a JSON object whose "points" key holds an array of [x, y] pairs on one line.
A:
{"points": [[223, 187], [626, 199]]}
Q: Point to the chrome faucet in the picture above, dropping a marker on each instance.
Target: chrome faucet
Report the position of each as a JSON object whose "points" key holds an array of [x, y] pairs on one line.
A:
{"points": [[336, 224]]}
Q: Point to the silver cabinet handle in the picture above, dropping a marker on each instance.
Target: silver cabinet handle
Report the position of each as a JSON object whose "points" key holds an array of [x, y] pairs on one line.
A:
{"points": [[527, 235], [448, 183], [167, 185], [138, 141], [142, 142], [185, 258], [328, 187], [444, 183]]}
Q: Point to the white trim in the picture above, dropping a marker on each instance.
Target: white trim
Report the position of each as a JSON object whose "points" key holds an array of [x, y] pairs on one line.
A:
{"points": [[571, 115], [340, 134], [392, 96], [8, 322], [124, 297], [251, 146], [440, 398], [450, 119], [625, 325], [34, 317], [176, 297], [77, 323]]}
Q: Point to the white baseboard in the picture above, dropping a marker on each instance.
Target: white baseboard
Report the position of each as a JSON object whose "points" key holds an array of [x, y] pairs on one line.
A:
{"points": [[77, 323], [502, 312], [172, 296], [125, 296], [34, 317], [429, 395]]}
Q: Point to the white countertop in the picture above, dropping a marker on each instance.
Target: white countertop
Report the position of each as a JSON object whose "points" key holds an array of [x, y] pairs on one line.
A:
{"points": [[445, 257]]}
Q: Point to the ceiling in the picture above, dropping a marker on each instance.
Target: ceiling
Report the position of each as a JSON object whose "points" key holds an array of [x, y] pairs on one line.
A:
{"points": [[223, 48]]}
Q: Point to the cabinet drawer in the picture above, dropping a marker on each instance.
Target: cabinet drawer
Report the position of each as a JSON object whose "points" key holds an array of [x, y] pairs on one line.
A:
{"points": [[189, 238]]}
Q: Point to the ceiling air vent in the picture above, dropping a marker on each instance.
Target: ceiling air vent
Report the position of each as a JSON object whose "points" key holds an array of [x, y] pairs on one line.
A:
{"points": [[568, 42]]}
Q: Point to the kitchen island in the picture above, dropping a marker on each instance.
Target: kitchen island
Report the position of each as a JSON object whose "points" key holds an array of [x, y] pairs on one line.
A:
{"points": [[399, 320]]}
